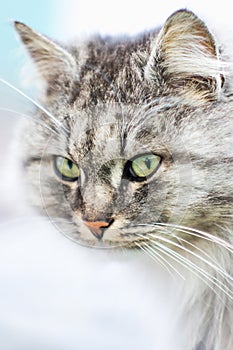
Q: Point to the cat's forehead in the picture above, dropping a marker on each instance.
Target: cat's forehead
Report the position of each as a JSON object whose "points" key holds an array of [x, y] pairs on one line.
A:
{"points": [[99, 130], [115, 130]]}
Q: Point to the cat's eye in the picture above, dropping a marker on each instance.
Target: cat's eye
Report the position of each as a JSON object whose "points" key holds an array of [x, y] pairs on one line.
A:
{"points": [[66, 169], [143, 166]]}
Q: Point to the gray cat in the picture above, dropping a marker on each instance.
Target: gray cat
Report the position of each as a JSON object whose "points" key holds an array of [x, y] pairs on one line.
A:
{"points": [[133, 149]]}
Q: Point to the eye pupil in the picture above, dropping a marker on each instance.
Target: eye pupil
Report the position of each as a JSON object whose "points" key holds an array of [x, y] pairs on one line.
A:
{"points": [[148, 163], [70, 164]]}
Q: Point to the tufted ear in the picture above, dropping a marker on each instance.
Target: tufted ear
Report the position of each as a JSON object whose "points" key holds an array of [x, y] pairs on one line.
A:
{"points": [[185, 58], [53, 63]]}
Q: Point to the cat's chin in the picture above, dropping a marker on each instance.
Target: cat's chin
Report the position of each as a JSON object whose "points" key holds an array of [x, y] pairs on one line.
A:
{"points": [[106, 242]]}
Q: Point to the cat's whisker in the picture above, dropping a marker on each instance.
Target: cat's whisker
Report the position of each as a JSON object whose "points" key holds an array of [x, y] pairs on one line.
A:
{"points": [[8, 110], [169, 252], [156, 256], [195, 267], [197, 271], [198, 233], [213, 264], [56, 122], [211, 278], [207, 262]]}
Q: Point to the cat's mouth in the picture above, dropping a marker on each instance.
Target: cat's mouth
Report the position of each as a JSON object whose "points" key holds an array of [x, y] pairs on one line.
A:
{"points": [[110, 238]]}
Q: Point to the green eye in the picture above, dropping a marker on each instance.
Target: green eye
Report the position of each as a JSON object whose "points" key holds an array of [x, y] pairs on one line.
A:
{"points": [[66, 169], [145, 165]]}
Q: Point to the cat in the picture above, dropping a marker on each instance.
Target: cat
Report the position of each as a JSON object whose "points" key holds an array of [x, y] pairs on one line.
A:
{"points": [[131, 147]]}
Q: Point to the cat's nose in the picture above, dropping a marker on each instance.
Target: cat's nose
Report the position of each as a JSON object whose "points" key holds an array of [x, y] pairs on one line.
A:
{"points": [[97, 227]]}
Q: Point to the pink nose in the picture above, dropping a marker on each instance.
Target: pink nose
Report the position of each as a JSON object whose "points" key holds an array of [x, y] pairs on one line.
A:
{"points": [[97, 227]]}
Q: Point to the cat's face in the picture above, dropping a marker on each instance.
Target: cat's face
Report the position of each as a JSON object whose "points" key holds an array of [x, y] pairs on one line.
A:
{"points": [[115, 175], [128, 150]]}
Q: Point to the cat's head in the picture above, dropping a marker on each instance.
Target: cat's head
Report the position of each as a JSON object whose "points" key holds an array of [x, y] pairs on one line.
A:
{"points": [[128, 142]]}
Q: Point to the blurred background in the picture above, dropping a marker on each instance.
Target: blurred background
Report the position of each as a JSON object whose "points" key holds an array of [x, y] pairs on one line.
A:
{"points": [[42, 305]]}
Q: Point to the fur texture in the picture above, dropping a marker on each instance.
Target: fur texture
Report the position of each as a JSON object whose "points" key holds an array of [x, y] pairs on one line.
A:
{"points": [[110, 100]]}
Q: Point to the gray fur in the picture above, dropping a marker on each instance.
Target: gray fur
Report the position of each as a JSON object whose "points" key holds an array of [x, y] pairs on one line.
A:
{"points": [[118, 98]]}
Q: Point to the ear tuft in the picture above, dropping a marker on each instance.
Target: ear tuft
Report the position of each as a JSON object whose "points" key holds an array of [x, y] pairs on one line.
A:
{"points": [[185, 57]]}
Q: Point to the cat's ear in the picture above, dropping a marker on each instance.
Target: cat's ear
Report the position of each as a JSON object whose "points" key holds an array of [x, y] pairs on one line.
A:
{"points": [[185, 58], [53, 63]]}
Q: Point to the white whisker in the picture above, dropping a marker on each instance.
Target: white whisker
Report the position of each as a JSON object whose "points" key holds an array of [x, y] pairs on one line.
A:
{"points": [[190, 267], [212, 264], [198, 233], [156, 257], [8, 110], [56, 122], [154, 254], [194, 267]]}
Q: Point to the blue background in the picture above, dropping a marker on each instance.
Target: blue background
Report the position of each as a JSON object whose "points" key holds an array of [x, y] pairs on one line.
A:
{"points": [[35, 14]]}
